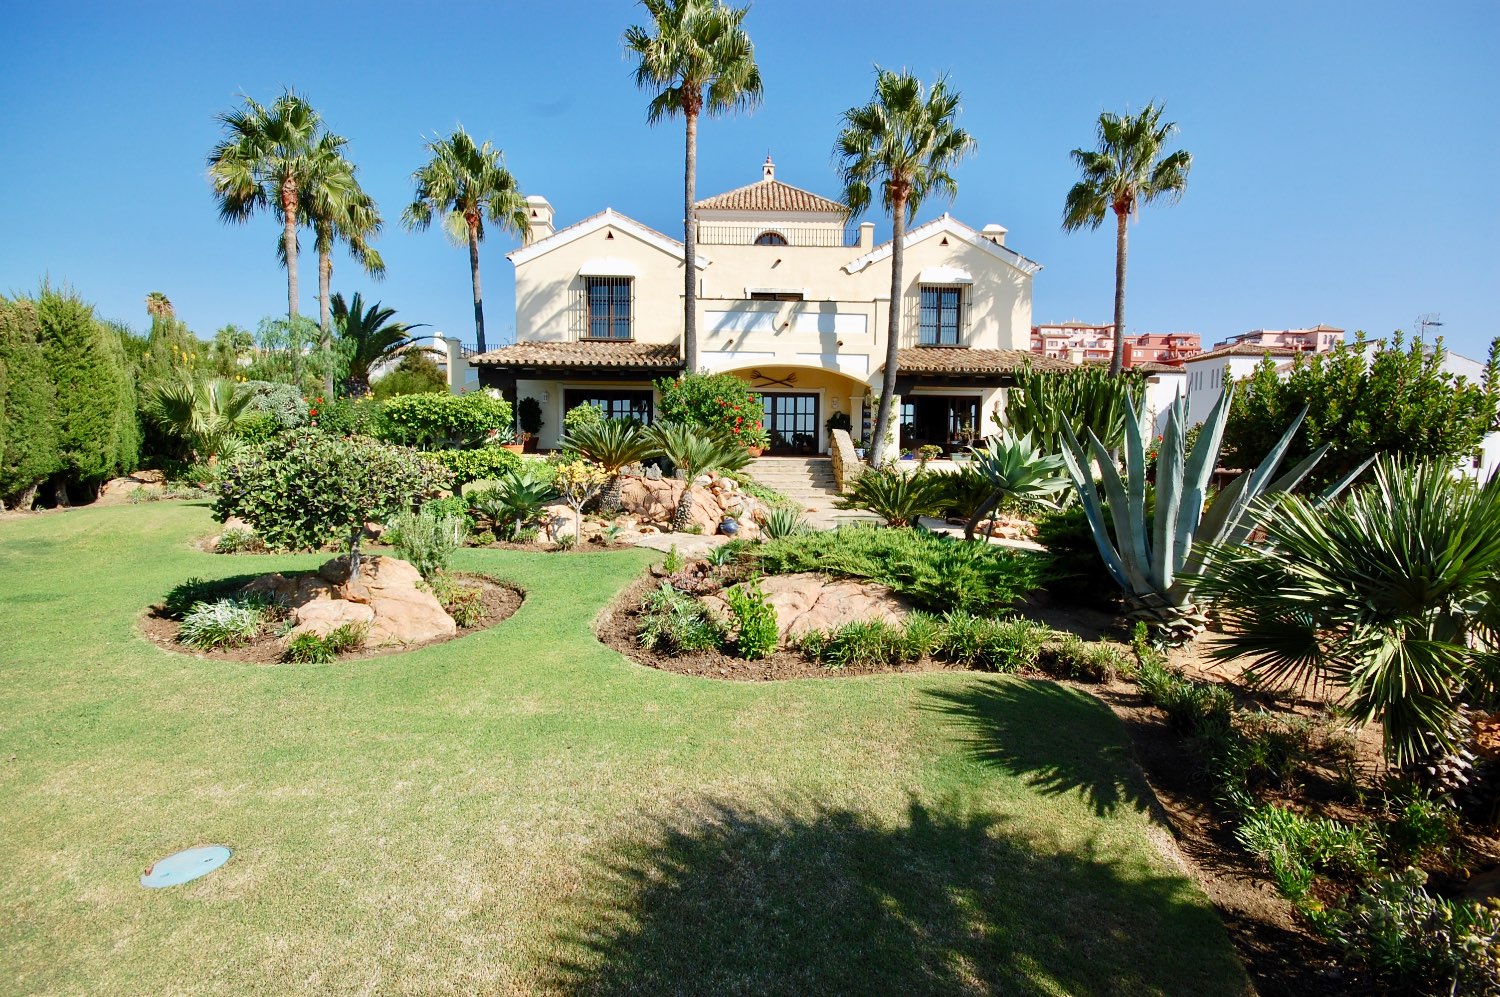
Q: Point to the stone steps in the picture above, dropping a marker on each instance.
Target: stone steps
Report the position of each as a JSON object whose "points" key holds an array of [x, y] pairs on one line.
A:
{"points": [[809, 482]]}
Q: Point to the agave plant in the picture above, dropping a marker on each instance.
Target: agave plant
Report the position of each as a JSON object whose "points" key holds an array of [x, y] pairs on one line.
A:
{"points": [[693, 452], [203, 414], [897, 497], [1014, 468], [612, 444], [1394, 594], [1162, 553]]}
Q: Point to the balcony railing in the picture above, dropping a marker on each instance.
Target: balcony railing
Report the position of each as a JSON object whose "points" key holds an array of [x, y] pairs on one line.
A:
{"points": [[795, 235]]}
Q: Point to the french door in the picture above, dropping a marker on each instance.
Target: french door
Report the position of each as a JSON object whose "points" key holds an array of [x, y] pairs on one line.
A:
{"points": [[792, 421]]}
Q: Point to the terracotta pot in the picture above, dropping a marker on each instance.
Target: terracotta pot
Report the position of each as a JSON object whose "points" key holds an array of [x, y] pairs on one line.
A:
{"points": [[514, 447], [755, 451]]}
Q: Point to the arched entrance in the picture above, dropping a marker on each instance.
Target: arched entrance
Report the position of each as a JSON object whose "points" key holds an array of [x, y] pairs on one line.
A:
{"points": [[798, 402]]}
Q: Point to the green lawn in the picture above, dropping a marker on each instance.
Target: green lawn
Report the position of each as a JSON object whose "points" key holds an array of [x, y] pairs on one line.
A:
{"points": [[525, 811]]}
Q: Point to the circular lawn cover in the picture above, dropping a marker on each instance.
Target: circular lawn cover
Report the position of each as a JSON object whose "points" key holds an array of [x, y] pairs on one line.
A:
{"points": [[184, 866]]}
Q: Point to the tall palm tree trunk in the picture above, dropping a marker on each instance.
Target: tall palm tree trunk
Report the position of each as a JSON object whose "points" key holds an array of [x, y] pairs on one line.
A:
{"points": [[893, 332], [289, 244], [690, 247], [478, 294], [325, 325], [1117, 358]]}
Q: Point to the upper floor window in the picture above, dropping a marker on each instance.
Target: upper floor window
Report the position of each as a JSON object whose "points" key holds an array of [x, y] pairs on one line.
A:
{"points": [[770, 239], [941, 315], [609, 307]]}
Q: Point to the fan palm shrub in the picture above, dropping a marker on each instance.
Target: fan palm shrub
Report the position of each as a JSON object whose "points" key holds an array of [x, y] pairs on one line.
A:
{"points": [[613, 444], [1158, 555], [1392, 594], [694, 452], [1014, 468], [204, 415], [897, 497]]}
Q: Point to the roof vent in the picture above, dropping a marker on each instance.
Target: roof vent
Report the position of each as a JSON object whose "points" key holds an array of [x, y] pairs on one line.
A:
{"points": [[768, 171], [995, 233]]}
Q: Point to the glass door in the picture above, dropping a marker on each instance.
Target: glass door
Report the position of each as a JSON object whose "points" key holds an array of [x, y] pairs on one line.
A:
{"points": [[792, 422]]}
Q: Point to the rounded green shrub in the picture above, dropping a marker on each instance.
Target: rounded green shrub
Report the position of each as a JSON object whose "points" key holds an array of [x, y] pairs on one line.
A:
{"points": [[306, 488]]}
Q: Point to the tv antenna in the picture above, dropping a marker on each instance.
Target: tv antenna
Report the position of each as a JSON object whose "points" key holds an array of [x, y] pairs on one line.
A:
{"points": [[1428, 321]]}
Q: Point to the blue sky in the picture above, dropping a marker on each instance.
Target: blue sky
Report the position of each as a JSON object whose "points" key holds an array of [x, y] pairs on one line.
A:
{"points": [[1345, 152]]}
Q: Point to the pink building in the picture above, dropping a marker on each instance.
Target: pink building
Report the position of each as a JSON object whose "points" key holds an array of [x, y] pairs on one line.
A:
{"points": [[1318, 339], [1080, 343]]}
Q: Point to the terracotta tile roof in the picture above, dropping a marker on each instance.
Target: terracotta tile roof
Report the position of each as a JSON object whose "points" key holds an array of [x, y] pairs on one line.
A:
{"points": [[1149, 366], [770, 195], [585, 353], [932, 360], [1244, 350]]}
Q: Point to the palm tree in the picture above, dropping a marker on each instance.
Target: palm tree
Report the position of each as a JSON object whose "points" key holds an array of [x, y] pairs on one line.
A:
{"points": [[612, 444], [464, 183], [337, 208], [268, 158], [700, 58], [904, 141], [370, 337], [694, 452], [158, 307], [1125, 172]]}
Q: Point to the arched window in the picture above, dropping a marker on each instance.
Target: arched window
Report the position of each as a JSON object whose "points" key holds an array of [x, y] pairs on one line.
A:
{"points": [[770, 239]]}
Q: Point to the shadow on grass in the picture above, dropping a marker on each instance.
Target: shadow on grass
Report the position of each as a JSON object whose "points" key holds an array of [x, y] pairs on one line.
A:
{"points": [[813, 900], [184, 595], [1058, 740]]}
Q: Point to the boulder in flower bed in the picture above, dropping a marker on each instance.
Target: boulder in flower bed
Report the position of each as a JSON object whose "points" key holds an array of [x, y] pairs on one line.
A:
{"points": [[387, 597], [808, 601], [653, 502]]}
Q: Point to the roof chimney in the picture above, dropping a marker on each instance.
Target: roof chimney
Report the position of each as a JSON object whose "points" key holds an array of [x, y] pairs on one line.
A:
{"points": [[995, 233], [769, 169], [538, 218], [867, 236]]}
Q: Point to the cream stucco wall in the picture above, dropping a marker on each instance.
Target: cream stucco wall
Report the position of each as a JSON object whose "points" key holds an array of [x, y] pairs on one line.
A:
{"points": [[840, 324]]}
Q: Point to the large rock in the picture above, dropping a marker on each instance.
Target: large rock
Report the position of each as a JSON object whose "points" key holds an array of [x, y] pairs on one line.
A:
{"points": [[653, 501], [387, 597], [808, 601], [117, 490]]}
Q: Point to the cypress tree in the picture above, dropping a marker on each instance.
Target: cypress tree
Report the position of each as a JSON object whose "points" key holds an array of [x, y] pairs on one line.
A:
{"points": [[97, 431], [30, 452]]}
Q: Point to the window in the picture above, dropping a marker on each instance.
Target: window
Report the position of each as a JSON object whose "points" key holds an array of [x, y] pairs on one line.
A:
{"points": [[615, 404], [609, 307], [775, 295], [940, 319], [770, 239]]}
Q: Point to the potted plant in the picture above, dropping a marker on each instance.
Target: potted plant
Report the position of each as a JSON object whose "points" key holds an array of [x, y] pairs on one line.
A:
{"points": [[756, 440], [859, 449], [507, 440], [730, 524], [529, 415], [928, 452]]}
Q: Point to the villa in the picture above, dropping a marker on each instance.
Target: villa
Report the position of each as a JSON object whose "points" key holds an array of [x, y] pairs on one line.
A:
{"points": [[789, 298]]}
